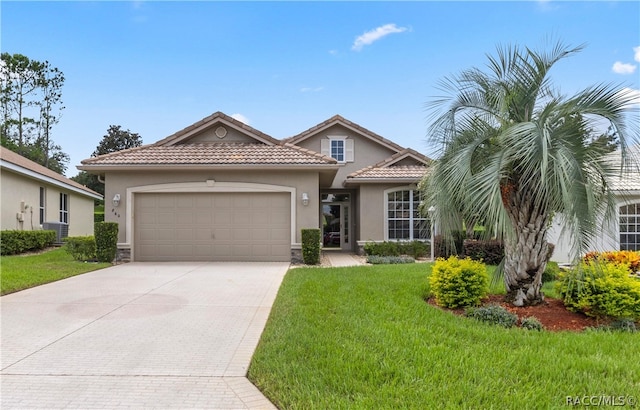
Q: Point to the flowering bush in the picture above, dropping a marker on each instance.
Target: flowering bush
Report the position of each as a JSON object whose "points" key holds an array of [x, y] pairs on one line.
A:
{"points": [[630, 258]]}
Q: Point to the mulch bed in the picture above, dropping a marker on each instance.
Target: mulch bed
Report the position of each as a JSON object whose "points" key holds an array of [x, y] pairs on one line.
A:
{"points": [[552, 313]]}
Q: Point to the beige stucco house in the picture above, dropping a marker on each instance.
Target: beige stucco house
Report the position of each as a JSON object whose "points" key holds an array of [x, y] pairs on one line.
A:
{"points": [[34, 196], [222, 190]]}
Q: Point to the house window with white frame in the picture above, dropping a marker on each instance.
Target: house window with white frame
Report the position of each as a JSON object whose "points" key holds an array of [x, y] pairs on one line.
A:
{"points": [[339, 148], [629, 225], [64, 208], [43, 193], [404, 221]]}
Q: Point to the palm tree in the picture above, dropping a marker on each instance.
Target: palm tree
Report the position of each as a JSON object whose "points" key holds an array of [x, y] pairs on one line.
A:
{"points": [[516, 153]]}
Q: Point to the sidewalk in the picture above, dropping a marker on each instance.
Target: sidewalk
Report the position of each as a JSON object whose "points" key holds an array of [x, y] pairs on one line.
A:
{"points": [[340, 259]]}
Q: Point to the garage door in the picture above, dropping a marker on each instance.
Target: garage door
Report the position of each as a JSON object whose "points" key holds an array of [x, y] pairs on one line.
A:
{"points": [[212, 227]]}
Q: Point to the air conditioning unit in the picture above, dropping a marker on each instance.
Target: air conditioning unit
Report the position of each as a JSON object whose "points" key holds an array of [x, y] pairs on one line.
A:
{"points": [[61, 228]]}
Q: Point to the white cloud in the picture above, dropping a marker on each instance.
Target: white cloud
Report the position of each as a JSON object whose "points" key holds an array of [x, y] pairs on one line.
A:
{"points": [[636, 55], [241, 118], [311, 89], [623, 68], [376, 34], [333, 52]]}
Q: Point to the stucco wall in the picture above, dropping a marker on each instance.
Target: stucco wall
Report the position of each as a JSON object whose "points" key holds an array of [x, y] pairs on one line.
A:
{"points": [[372, 217], [17, 188], [366, 152], [301, 181]]}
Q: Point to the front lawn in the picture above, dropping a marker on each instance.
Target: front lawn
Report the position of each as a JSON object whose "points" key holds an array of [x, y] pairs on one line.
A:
{"points": [[363, 337], [26, 271]]}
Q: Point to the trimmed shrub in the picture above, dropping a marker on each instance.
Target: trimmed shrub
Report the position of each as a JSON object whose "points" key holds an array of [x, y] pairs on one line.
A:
{"points": [[389, 260], [98, 217], [445, 247], [311, 246], [551, 272], [106, 237], [490, 252], [82, 248], [494, 314], [601, 289], [415, 249], [14, 242], [458, 282], [531, 323], [386, 248]]}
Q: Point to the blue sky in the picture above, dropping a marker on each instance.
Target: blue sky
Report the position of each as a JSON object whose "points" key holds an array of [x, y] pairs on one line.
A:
{"points": [[156, 67]]}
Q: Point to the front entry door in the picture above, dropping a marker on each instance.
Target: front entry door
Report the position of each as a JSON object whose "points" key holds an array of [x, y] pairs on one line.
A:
{"points": [[335, 226]]}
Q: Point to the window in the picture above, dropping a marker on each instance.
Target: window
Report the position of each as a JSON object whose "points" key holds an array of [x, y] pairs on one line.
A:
{"points": [[337, 150], [64, 208], [630, 227], [404, 221], [42, 203], [338, 147]]}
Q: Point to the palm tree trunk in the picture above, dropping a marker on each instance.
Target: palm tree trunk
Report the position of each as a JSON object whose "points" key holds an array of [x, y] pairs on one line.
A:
{"points": [[526, 252]]}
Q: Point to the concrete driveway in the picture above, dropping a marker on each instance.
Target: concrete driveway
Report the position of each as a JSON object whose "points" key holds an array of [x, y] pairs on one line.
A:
{"points": [[138, 335]]}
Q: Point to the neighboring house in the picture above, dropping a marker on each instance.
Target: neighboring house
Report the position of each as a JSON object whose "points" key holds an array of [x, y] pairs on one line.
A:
{"points": [[622, 232], [222, 190], [33, 195]]}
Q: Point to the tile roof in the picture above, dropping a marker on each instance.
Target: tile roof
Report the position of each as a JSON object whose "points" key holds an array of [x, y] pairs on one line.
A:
{"points": [[405, 172], [386, 170], [43, 173], [629, 179], [219, 153], [338, 119]]}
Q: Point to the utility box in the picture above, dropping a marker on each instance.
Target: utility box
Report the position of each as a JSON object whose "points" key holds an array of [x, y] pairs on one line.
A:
{"points": [[61, 229]]}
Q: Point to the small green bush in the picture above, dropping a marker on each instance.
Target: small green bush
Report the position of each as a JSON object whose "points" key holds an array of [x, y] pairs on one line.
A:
{"points": [[98, 217], [415, 249], [494, 314], [386, 248], [531, 323], [490, 252], [311, 246], [601, 289], [624, 325], [389, 260], [82, 248], [13, 242], [458, 282], [106, 236], [551, 272]]}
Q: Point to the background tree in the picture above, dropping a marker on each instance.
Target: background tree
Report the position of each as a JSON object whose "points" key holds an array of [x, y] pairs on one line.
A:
{"points": [[116, 139], [31, 101], [515, 152]]}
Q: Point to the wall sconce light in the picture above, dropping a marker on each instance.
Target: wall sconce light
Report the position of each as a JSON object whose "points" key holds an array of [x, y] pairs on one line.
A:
{"points": [[305, 199], [116, 200]]}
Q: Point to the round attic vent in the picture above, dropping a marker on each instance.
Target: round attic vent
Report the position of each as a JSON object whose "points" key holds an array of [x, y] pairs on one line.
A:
{"points": [[221, 132]]}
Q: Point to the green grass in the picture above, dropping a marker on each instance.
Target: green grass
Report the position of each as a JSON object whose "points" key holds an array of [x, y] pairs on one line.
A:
{"points": [[20, 272], [363, 337]]}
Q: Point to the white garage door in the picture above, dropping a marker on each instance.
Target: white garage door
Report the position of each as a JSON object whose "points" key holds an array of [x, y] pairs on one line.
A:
{"points": [[212, 227]]}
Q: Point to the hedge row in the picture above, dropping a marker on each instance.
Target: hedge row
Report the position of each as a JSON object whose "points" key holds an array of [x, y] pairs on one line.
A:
{"points": [[14, 242]]}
